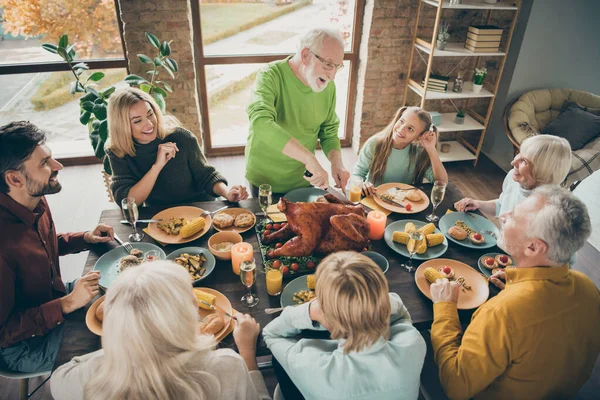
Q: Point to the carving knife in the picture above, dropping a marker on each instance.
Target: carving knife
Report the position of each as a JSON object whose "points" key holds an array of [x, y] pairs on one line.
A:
{"points": [[333, 192]]}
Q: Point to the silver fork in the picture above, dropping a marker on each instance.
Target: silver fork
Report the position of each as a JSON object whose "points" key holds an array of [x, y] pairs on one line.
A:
{"points": [[126, 245]]}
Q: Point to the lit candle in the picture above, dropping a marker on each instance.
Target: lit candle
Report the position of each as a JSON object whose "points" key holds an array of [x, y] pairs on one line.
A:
{"points": [[376, 220], [239, 251]]}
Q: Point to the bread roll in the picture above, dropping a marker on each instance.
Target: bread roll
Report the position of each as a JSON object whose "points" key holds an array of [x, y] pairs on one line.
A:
{"points": [[100, 312], [414, 196], [457, 233], [212, 324]]}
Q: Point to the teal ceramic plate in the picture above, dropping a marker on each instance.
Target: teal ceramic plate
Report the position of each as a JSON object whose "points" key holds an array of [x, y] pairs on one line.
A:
{"points": [[108, 264], [476, 222], [488, 272], [193, 250], [378, 259], [431, 252], [307, 195], [287, 296]]}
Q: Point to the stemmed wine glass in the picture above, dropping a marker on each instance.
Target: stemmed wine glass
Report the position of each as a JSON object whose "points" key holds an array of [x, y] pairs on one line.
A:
{"points": [[130, 212], [437, 195], [415, 240], [248, 277], [264, 197]]}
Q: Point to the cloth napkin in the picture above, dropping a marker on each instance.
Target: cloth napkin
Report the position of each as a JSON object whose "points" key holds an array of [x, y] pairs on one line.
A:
{"points": [[369, 202], [275, 215]]}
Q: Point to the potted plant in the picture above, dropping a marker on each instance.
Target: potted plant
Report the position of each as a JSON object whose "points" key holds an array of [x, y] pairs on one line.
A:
{"points": [[478, 77], [443, 35], [93, 104], [460, 117]]}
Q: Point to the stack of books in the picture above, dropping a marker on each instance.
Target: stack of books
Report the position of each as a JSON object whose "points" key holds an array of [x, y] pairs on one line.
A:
{"points": [[483, 38], [436, 83]]}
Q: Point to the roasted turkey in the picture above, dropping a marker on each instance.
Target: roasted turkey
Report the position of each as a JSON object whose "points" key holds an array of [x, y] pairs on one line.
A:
{"points": [[319, 228]]}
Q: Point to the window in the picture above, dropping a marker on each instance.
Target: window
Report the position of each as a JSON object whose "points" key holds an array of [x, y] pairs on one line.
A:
{"points": [[239, 38], [35, 83]]}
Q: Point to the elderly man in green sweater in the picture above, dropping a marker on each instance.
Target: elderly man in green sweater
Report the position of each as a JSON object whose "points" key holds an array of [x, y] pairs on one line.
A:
{"points": [[292, 109]]}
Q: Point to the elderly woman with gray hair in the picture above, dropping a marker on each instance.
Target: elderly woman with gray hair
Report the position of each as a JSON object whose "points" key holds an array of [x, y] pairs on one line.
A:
{"points": [[152, 348], [543, 160]]}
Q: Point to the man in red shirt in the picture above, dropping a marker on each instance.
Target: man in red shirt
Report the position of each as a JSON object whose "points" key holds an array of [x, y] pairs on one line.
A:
{"points": [[33, 297]]}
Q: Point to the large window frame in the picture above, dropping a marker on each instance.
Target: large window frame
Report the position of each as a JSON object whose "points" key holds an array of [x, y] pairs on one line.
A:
{"points": [[112, 63], [201, 61]]}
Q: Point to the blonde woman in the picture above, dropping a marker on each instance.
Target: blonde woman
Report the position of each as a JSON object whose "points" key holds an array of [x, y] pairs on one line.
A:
{"points": [[374, 351], [152, 348], [403, 152], [154, 159], [543, 160]]}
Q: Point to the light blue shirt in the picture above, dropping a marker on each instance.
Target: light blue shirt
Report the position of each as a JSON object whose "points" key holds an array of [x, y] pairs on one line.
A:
{"points": [[398, 168], [389, 369]]}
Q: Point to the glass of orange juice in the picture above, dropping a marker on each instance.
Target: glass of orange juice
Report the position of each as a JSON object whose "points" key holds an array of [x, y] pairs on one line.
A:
{"points": [[354, 189], [274, 281]]}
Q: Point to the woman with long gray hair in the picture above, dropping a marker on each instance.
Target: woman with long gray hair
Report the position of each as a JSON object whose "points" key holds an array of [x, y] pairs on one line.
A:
{"points": [[152, 348]]}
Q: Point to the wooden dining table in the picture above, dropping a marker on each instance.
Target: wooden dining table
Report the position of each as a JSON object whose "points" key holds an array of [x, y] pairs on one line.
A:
{"points": [[78, 339]]}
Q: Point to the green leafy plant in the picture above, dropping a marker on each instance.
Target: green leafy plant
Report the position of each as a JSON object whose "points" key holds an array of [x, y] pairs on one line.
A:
{"points": [[479, 75], [460, 114], [443, 32], [93, 105]]}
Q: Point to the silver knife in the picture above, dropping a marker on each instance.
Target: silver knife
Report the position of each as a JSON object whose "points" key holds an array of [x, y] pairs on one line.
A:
{"points": [[142, 221], [332, 191], [205, 213], [212, 307]]}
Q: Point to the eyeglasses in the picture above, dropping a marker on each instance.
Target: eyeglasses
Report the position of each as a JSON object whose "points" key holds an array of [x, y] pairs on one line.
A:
{"points": [[326, 64]]}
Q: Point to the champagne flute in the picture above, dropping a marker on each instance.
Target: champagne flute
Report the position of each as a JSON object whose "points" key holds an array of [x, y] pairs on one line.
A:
{"points": [[248, 277], [415, 240], [130, 212], [437, 195], [264, 197]]}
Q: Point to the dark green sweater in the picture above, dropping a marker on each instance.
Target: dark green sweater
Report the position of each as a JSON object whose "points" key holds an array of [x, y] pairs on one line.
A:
{"points": [[184, 179]]}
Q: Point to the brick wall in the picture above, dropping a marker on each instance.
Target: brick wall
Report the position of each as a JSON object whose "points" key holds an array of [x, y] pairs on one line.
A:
{"points": [[385, 51], [168, 21]]}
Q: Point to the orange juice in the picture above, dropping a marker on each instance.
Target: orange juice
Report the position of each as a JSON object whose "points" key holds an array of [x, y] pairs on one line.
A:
{"points": [[355, 194], [274, 281]]}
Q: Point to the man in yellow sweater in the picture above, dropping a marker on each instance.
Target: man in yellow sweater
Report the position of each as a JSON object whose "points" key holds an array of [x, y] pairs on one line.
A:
{"points": [[540, 336]]}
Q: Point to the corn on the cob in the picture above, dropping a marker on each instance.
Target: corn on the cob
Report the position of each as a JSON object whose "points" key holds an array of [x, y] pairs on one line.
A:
{"points": [[409, 227], [421, 249], [400, 237], [311, 281], [432, 275], [434, 239], [193, 227], [209, 298], [427, 229]]}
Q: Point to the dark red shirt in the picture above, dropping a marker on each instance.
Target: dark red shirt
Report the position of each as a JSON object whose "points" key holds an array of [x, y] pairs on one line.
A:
{"points": [[30, 281]]}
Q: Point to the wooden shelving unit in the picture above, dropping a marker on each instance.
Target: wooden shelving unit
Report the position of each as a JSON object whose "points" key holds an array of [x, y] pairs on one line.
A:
{"points": [[460, 149]]}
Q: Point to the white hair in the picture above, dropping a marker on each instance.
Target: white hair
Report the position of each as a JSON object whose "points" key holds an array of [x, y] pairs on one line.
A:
{"points": [[550, 156], [314, 38], [563, 223], [150, 333]]}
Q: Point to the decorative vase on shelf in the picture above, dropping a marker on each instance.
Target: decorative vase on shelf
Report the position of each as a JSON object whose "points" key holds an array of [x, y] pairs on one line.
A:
{"points": [[458, 83], [441, 45], [477, 88], [491, 1], [459, 120]]}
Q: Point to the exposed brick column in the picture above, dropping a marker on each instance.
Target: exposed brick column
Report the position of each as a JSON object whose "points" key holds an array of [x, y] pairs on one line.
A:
{"points": [[168, 20]]}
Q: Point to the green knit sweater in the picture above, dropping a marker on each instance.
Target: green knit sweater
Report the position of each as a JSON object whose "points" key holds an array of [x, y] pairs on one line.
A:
{"points": [[184, 179]]}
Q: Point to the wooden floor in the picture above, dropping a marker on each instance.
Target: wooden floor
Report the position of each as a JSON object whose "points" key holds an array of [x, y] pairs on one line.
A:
{"points": [[78, 206]]}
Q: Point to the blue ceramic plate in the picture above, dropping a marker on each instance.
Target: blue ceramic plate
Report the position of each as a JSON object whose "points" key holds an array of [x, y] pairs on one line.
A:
{"points": [[378, 259], [287, 296], [431, 252], [193, 250], [482, 268], [476, 222], [108, 264], [307, 195]]}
